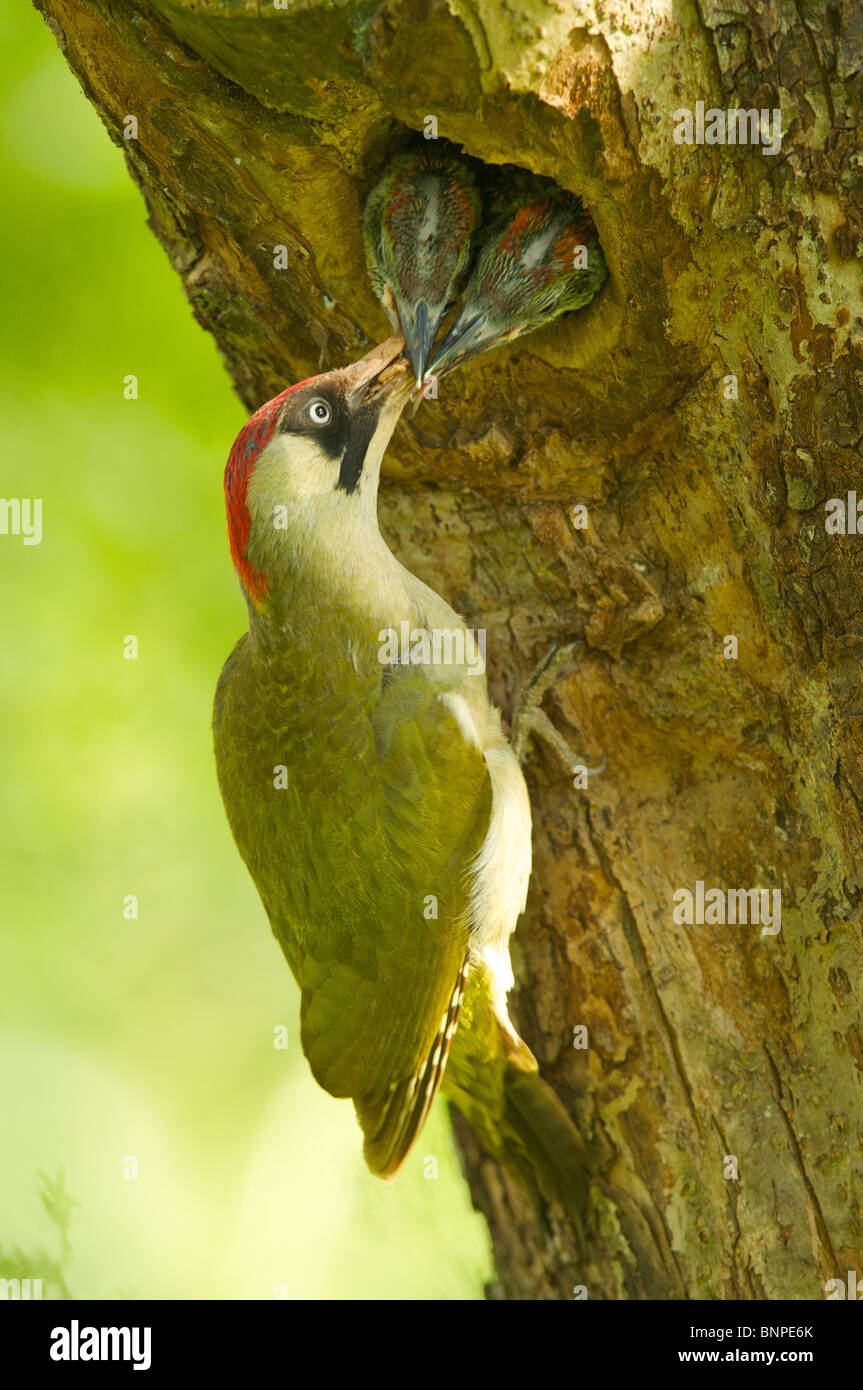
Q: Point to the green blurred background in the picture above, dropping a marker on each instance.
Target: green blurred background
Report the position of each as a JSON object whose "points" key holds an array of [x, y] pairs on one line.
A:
{"points": [[151, 1039]]}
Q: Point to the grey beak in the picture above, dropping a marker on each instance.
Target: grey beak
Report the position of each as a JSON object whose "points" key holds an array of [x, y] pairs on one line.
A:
{"points": [[459, 343], [419, 338]]}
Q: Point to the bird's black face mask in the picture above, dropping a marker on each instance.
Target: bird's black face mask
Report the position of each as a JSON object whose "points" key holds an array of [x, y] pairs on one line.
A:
{"points": [[360, 431], [342, 427]]}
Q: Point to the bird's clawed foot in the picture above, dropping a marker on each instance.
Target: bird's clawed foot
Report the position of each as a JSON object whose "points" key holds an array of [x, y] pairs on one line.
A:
{"points": [[530, 718]]}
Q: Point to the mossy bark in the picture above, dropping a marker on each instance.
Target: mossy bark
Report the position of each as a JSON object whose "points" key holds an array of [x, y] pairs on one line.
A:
{"points": [[261, 126]]}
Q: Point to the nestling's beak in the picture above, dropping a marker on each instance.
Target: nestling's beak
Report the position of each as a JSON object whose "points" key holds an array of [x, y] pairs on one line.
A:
{"points": [[463, 340], [380, 378], [420, 331]]}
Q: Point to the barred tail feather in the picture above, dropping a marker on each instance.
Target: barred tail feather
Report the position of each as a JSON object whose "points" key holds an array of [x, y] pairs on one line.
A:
{"points": [[392, 1123]]}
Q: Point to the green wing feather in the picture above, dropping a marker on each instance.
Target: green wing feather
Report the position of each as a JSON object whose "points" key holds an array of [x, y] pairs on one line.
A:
{"points": [[392, 1122], [362, 864], [426, 802]]}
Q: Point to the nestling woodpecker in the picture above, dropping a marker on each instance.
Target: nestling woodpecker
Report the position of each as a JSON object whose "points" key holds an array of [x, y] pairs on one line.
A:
{"points": [[376, 801], [418, 230], [538, 260]]}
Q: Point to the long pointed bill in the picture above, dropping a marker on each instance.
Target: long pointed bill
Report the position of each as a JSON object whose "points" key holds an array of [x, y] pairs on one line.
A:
{"points": [[381, 374], [377, 389], [466, 338], [420, 332]]}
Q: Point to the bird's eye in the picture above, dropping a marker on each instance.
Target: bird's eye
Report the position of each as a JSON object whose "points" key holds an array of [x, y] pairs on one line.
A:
{"points": [[319, 412]]}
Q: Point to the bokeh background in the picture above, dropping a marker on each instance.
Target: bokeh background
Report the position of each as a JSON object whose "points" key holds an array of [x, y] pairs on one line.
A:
{"points": [[147, 1044]]}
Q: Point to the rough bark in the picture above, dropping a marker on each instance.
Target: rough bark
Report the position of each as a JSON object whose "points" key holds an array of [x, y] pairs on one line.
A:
{"points": [[260, 126]]}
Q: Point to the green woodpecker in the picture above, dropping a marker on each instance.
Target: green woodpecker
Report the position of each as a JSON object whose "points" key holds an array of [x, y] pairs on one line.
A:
{"points": [[372, 793], [418, 227], [538, 260]]}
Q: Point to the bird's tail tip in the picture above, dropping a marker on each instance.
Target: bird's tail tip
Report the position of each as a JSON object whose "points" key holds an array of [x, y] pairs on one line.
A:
{"points": [[392, 1122], [544, 1129]]}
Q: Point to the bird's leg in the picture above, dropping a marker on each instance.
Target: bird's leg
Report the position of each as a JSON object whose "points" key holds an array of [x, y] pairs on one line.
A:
{"points": [[531, 719]]}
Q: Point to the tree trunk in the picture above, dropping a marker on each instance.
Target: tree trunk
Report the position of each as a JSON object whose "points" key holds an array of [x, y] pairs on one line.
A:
{"points": [[703, 409]]}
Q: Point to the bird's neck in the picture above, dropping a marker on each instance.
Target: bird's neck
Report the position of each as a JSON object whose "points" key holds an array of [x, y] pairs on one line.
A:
{"points": [[339, 574], [338, 601]]}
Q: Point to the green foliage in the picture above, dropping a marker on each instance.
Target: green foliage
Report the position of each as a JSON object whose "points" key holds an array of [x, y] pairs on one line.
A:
{"points": [[15, 1263]]}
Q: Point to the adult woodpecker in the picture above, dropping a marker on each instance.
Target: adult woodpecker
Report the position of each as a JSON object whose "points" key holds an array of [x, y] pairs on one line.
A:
{"points": [[377, 804], [538, 260], [418, 228]]}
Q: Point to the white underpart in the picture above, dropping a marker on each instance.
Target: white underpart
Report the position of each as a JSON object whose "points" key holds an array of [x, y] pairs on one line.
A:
{"points": [[430, 224], [537, 250], [460, 711], [431, 212], [500, 872]]}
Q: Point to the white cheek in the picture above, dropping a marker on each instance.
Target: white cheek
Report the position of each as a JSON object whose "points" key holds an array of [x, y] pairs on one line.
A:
{"points": [[291, 470]]}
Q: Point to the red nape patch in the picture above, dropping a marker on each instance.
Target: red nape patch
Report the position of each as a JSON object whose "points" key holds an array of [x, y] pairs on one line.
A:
{"points": [[248, 446]]}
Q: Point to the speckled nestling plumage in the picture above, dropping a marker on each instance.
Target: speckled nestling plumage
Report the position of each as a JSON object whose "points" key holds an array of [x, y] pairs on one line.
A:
{"points": [[418, 230], [528, 271]]}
